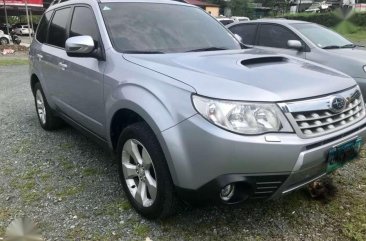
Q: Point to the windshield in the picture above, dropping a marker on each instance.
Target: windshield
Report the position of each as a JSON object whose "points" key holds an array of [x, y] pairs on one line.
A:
{"points": [[163, 28], [322, 37]]}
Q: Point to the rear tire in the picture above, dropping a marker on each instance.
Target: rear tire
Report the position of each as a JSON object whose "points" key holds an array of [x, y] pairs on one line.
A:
{"points": [[142, 164], [48, 120]]}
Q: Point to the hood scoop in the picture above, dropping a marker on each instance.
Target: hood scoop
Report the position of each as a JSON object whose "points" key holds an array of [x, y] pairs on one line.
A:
{"points": [[257, 62]]}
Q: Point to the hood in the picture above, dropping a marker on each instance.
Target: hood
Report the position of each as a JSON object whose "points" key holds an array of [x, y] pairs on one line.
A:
{"points": [[358, 53], [246, 74]]}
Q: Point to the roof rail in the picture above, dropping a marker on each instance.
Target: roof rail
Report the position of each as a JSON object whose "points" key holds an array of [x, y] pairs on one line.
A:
{"points": [[60, 1]]}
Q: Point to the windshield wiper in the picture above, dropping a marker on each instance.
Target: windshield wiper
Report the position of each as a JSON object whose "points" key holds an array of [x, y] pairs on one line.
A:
{"points": [[332, 47], [349, 46], [142, 52], [206, 49]]}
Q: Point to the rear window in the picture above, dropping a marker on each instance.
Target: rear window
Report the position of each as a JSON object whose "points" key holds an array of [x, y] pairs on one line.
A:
{"points": [[43, 27], [57, 32]]}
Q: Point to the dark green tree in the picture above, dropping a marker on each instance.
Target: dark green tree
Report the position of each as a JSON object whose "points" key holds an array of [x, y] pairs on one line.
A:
{"points": [[241, 8]]}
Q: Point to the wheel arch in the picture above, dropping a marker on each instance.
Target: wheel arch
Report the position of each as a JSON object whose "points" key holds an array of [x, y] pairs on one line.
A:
{"points": [[33, 80], [129, 114]]}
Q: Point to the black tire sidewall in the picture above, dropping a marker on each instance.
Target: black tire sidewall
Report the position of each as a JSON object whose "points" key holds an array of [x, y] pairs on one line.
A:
{"points": [[142, 132], [52, 122], [7, 41]]}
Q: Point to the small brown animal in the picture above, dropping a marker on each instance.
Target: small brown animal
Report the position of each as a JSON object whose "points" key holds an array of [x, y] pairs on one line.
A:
{"points": [[322, 189]]}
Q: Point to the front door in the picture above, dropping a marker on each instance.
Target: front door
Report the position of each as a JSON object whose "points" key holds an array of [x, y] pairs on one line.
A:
{"points": [[274, 38], [82, 78]]}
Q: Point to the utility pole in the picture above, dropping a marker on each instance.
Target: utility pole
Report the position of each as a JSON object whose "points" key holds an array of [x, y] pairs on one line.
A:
{"points": [[6, 18], [26, 10]]}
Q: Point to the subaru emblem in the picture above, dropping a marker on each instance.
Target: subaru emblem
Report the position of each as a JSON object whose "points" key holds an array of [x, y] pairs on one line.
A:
{"points": [[337, 104]]}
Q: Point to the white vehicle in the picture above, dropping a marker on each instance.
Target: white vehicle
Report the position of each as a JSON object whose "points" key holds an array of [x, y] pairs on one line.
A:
{"points": [[23, 29], [4, 38], [240, 19], [225, 21]]}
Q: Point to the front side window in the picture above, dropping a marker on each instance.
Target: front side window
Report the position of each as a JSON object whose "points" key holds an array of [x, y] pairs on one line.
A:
{"points": [[167, 28], [57, 32], [246, 32], [320, 36], [43, 27], [83, 23], [275, 36]]}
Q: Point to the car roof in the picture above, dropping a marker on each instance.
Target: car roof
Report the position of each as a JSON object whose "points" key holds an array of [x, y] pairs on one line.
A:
{"points": [[172, 2], [271, 20]]}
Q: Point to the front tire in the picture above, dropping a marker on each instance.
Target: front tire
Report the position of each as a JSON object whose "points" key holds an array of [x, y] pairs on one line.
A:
{"points": [[144, 173], [4, 41], [48, 120]]}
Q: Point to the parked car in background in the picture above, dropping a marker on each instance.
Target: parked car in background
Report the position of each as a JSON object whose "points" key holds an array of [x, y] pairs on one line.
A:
{"points": [[225, 21], [308, 41], [5, 29], [23, 29], [240, 19], [4, 38], [188, 110]]}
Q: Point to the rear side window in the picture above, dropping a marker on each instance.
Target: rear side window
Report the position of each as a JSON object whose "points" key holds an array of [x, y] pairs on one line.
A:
{"points": [[246, 32], [43, 27], [83, 23], [275, 36], [57, 32]]}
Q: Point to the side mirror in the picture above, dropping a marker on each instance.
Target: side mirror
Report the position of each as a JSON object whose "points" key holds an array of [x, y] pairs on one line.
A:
{"points": [[238, 37], [80, 46], [295, 44]]}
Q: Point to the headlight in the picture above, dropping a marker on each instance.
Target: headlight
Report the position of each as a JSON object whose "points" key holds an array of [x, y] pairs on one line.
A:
{"points": [[364, 68], [242, 117]]}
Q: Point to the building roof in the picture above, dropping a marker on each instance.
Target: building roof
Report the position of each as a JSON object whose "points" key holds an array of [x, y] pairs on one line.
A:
{"points": [[201, 3]]}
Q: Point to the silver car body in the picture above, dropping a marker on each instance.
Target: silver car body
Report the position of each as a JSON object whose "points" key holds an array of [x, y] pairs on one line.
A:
{"points": [[349, 61], [90, 93]]}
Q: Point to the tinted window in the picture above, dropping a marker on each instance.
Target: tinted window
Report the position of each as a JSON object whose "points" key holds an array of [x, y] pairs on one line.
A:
{"points": [[57, 32], [246, 32], [43, 27], [83, 23], [152, 27], [275, 36]]}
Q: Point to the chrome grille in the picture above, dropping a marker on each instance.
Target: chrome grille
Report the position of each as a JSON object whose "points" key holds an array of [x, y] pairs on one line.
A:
{"points": [[314, 117]]}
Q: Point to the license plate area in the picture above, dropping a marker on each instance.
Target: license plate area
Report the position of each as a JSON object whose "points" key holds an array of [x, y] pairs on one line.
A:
{"points": [[340, 155]]}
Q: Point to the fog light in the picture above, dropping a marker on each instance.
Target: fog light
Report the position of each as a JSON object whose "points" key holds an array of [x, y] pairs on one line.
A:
{"points": [[227, 192]]}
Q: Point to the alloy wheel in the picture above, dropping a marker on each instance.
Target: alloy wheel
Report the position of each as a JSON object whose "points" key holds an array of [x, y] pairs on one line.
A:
{"points": [[139, 172], [41, 109]]}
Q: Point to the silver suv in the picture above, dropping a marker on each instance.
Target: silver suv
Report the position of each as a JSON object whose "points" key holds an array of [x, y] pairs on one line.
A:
{"points": [[188, 110]]}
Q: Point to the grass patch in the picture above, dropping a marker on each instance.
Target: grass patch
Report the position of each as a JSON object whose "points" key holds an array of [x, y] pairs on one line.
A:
{"points": [[13, 61], [67, 165], [351, 31], [90, 172], [141, 230], [114, 208], [69, 191]]}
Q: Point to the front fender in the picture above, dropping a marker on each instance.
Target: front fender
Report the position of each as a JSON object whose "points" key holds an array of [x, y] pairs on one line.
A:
{"points": [[162, 105]]}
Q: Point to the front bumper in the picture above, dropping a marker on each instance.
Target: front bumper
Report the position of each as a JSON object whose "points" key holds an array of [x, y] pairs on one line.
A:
{"points": [[205, 158]]}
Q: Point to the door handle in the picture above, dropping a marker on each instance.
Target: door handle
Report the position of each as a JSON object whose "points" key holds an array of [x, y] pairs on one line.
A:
{"points": [[40, 57], [62, 65]]}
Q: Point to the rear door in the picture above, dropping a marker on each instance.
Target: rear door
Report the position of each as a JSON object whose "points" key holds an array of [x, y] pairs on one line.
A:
{"points": [[274, 37], [53, 53], [81, 79], [39, 56], [247, 32]]}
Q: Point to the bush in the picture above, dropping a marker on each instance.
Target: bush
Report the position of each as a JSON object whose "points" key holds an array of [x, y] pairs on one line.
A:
{"points": [[358, 19], [326, 19]]}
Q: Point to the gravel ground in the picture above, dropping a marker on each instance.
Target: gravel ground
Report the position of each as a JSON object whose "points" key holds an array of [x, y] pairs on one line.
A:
{"points": [[69, 186]]}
